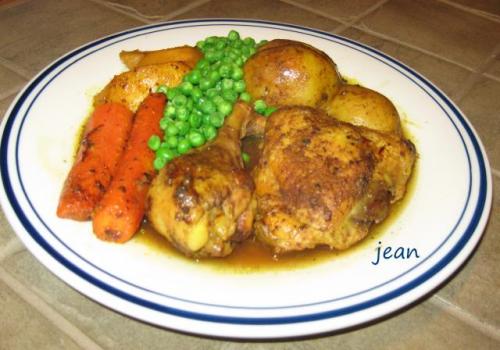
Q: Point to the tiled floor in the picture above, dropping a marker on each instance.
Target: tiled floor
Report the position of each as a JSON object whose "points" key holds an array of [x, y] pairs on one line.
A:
{"points": [[455, 43]]}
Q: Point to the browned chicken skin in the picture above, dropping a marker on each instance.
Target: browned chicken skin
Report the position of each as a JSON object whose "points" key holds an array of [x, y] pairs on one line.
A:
{"points": [[324, 182], [203, 201]]}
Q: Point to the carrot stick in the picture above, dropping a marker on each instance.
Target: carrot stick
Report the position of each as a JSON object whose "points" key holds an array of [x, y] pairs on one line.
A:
{"points": [[121, 210], [104, 139]]}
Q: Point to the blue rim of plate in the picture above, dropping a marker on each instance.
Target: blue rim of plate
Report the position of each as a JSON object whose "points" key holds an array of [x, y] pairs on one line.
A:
{"points": [[482, 200]]}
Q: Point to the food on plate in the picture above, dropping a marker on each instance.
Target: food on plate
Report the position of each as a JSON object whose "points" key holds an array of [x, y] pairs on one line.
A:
{"points": [[202, 202], [186, 54], [120, 212], [361, 106], [131, 88], [286, 72], [320, 181], [103, 140], [331, 162], [205, 97]]}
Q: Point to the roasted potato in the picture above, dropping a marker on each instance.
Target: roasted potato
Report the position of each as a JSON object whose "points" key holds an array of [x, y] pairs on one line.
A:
{"points": [[286, 72], [364, 107], [186, 54]]}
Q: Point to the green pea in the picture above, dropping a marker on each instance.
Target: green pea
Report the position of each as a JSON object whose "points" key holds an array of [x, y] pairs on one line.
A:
{"points": [[182, 113], [179, 100], [225, 70], [196, 138], [269, 110], [249, 41], [171, 93], [154, 142], [162, 89], [227, 84], [225, 108], [245, 97], [246, 157], [240, 86], [202, 64], [260, 106], [218, 99], [214, 75], [206, 84], [200, 44], [209, 132], [230, 95], [165, 153], [195, 120], [164, 122], [196, 93], [205, 119], [233, 35], [182, 127], [211, 93], [172, 141], [184, 146], [217, 119], [186, 87], [169, 111], [237, 73], [172, 130], [193, 77], [207, 107], [211, 39], [159, 162]]}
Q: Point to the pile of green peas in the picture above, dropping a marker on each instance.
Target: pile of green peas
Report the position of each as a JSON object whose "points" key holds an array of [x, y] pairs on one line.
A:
{"points": [[197, 107]]}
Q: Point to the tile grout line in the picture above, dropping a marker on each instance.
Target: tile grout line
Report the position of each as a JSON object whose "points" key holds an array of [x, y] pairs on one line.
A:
{"points": [[119, 10], [476, 76], [48, 312], [362, 15], [479, 13], [15, 68], [13, 246], [314, 11], [133, 13], [495, 172], [466, 317]]}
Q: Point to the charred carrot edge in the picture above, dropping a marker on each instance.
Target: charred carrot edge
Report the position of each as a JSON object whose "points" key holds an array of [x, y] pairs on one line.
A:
{"points": [[120, 212], [104, 139]]}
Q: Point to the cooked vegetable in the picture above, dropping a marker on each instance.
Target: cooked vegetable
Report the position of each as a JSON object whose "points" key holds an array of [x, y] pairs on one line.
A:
{"points": [[103, 141], [187, 54], [286, 72], [206, 95], [364, 107], [120, 212]]}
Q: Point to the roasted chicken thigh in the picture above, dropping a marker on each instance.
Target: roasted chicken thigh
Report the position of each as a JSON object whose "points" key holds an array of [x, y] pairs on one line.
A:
{"points": [[320, 181]]}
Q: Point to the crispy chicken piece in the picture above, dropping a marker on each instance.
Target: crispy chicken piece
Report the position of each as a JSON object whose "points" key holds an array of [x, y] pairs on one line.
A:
{"points": [[132, 87], [324, 182], [202, 202]]}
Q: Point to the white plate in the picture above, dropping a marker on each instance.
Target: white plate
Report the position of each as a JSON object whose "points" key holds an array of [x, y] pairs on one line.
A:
{"points": [[443, 221]]}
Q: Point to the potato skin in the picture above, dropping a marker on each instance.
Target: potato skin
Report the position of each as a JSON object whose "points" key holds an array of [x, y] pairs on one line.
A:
{"points": [[364, 107], [286, 72]]}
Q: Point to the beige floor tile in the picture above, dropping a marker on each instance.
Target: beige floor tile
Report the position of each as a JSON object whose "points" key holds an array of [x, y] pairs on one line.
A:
{"points": [[273, 10], [448, 77], [152, 9], [488, 6], [5, 103], [339, 9], [423, 326], [51, 28], [458, 35], [106, 327], [23, 327], [494, 69], [481, 105], [476, 288], [10, 82]]}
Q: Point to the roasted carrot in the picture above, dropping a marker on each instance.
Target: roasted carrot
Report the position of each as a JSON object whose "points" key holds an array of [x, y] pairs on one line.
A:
{"points": [[104, 139], [121, 210]]}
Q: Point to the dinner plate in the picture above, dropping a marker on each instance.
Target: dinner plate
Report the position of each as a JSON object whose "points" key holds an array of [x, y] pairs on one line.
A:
{"points": [[432, 235]]}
